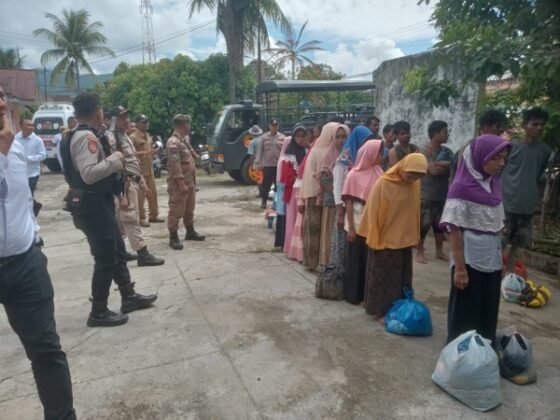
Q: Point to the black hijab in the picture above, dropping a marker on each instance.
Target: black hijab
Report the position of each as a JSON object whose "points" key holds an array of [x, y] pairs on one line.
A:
{"points": [[294, 148]]}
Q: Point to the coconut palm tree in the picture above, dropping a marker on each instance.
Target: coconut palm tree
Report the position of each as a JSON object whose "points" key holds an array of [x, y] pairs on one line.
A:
{"points": [[243, 25], [75, 40], [293, 51], [10, 58]]}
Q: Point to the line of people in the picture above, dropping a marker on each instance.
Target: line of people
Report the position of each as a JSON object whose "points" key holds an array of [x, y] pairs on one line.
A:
{"points": [[350, 202]]}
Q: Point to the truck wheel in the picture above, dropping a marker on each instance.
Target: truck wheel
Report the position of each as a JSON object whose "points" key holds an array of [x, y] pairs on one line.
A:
{"points": [[235, 175], [248, 173], [53, 165]]}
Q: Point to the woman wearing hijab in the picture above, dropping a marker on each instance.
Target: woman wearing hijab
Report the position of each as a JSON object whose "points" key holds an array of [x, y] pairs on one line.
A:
{"points": [[474, 215], [316, 190], [279, 204], [391, 226], [343, 164], [359, 183], [289, 163]]}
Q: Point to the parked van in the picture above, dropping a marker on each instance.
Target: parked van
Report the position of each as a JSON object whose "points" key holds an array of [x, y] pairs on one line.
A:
{"points": [[47, 122]]}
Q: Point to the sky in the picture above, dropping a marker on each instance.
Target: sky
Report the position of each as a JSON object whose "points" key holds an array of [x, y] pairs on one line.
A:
{"points": [[357, 35]]}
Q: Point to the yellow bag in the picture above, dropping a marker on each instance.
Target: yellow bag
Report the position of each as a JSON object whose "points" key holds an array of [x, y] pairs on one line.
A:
{"points": [[534, 296]]}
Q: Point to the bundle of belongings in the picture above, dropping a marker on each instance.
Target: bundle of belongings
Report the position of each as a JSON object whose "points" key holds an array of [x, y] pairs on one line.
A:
{"points": [[515, 355], [468, 370], [524, 292], [408, 316]]}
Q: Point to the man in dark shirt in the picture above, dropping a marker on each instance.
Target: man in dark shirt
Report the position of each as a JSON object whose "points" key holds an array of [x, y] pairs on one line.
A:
{"points": [[434, 188], [404, 146], [527, 161]]}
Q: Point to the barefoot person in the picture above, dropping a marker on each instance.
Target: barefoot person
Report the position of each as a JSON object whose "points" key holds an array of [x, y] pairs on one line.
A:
{"points": [[391, 226], [434, 188]]}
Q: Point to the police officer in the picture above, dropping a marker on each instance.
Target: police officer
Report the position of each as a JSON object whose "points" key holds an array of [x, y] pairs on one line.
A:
{"points": [[144, 151], [127, 210], [180, 182], [93, 174]]}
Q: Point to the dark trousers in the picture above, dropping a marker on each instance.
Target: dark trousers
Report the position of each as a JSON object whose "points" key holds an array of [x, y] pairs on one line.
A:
{"points": [[355, 270], [476, 307], [27, 295], [98, 221], [269, 178], [33, 186]]}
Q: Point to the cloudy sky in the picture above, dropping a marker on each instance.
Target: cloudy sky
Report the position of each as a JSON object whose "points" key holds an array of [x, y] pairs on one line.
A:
{"points": [[357, 35]]}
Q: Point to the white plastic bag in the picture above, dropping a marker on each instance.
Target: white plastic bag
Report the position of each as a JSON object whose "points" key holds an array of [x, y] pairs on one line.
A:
{"points": [[467, 369], [512, 286], [515, 356]]}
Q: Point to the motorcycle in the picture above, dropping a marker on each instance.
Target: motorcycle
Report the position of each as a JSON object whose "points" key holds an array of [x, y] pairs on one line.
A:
{"points": [[204, 158], [159, 160]]}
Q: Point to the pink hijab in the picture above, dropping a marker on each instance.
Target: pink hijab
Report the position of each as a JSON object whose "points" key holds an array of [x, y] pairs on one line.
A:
{"points": [[279, 165], [322, 157], [365, 173]]}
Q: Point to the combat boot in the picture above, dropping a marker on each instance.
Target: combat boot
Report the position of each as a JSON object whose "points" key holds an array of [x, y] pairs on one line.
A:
{"points": [[131, 301], [192, 235], [101, 316], [174, 241], [263, 203], [145, 259], [129, 256]]}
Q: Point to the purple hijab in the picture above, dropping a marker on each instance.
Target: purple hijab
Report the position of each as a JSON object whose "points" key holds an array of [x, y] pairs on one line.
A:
{"points": [[471, 183]]}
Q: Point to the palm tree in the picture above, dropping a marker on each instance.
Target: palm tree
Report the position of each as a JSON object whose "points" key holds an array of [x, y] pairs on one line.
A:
{"points": [[74, 39], [10, 58], [243, 25], [292, 50]]}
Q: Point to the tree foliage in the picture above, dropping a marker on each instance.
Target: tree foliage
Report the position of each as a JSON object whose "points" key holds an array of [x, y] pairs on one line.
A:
{"points": [[241, 22], [494, 38], [75, 39], [9, 58], [169, 87], [292, 50]]}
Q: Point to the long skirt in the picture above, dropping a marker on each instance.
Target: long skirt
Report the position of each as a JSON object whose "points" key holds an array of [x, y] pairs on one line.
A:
{"points": [[312, 233], [388, 272], [293, 244], [476, 307], [327, 225], [355, 270]]}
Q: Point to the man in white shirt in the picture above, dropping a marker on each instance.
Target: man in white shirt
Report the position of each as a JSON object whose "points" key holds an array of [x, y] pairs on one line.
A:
{"points": [[26, 290], [36, 153], [72, 123]]}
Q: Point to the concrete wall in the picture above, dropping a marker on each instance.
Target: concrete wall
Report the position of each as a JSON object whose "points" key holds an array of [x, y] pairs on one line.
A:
{"points": [[393, 103]]}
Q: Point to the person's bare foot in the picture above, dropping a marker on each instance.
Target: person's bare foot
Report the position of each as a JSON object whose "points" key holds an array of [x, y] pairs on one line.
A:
{"points": [[381, 320], [440, 255], [421, 258]]}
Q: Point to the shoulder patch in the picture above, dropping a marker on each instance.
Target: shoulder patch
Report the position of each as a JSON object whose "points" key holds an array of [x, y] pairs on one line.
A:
{"points": [[92, 143]]}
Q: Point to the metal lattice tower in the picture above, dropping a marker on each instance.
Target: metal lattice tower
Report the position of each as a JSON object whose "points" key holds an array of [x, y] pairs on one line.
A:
{"points": [[148, 43]]}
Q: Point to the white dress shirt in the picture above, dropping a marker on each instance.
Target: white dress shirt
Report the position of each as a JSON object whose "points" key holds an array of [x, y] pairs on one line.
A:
{"points": [[18, 228], [35, 152], [57, 140]]}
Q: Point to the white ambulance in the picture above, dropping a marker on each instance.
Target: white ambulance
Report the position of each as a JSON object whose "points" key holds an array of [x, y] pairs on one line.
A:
{"points": [[47, 122]]}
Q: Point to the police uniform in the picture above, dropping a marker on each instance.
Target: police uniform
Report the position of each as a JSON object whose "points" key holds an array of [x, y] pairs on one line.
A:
{"points": [[129, 216], [143, 143], [92, 173], [180, 166]]}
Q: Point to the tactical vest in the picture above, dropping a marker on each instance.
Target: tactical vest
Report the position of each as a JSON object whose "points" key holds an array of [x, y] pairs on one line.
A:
{"points": [[73, 177]]}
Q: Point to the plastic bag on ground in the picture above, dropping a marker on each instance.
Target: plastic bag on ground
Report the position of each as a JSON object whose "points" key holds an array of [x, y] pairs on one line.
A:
{"points": [[330, 284], [408, 317], [515, 357], [468, 370], [512, 286]]}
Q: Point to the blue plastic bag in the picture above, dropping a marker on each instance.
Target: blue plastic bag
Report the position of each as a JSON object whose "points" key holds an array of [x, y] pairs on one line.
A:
{"points": [[408, 316]]}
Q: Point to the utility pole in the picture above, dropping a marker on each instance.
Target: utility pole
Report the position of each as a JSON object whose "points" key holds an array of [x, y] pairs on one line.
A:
{"points": [[148, 43], [45, 82]]}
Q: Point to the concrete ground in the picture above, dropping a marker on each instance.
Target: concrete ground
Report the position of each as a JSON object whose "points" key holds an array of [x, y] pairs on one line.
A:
{"points": [[237, 333]]}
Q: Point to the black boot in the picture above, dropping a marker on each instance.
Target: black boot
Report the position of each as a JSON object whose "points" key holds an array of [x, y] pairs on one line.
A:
{"points": [[174, 241], [192, 235], [145, 259], [132, 301], [129, 256], [101, 316], [263, 203]]}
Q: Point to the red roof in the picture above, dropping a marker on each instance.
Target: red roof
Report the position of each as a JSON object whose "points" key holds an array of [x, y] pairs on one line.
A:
{"points": [[19, 83]]}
